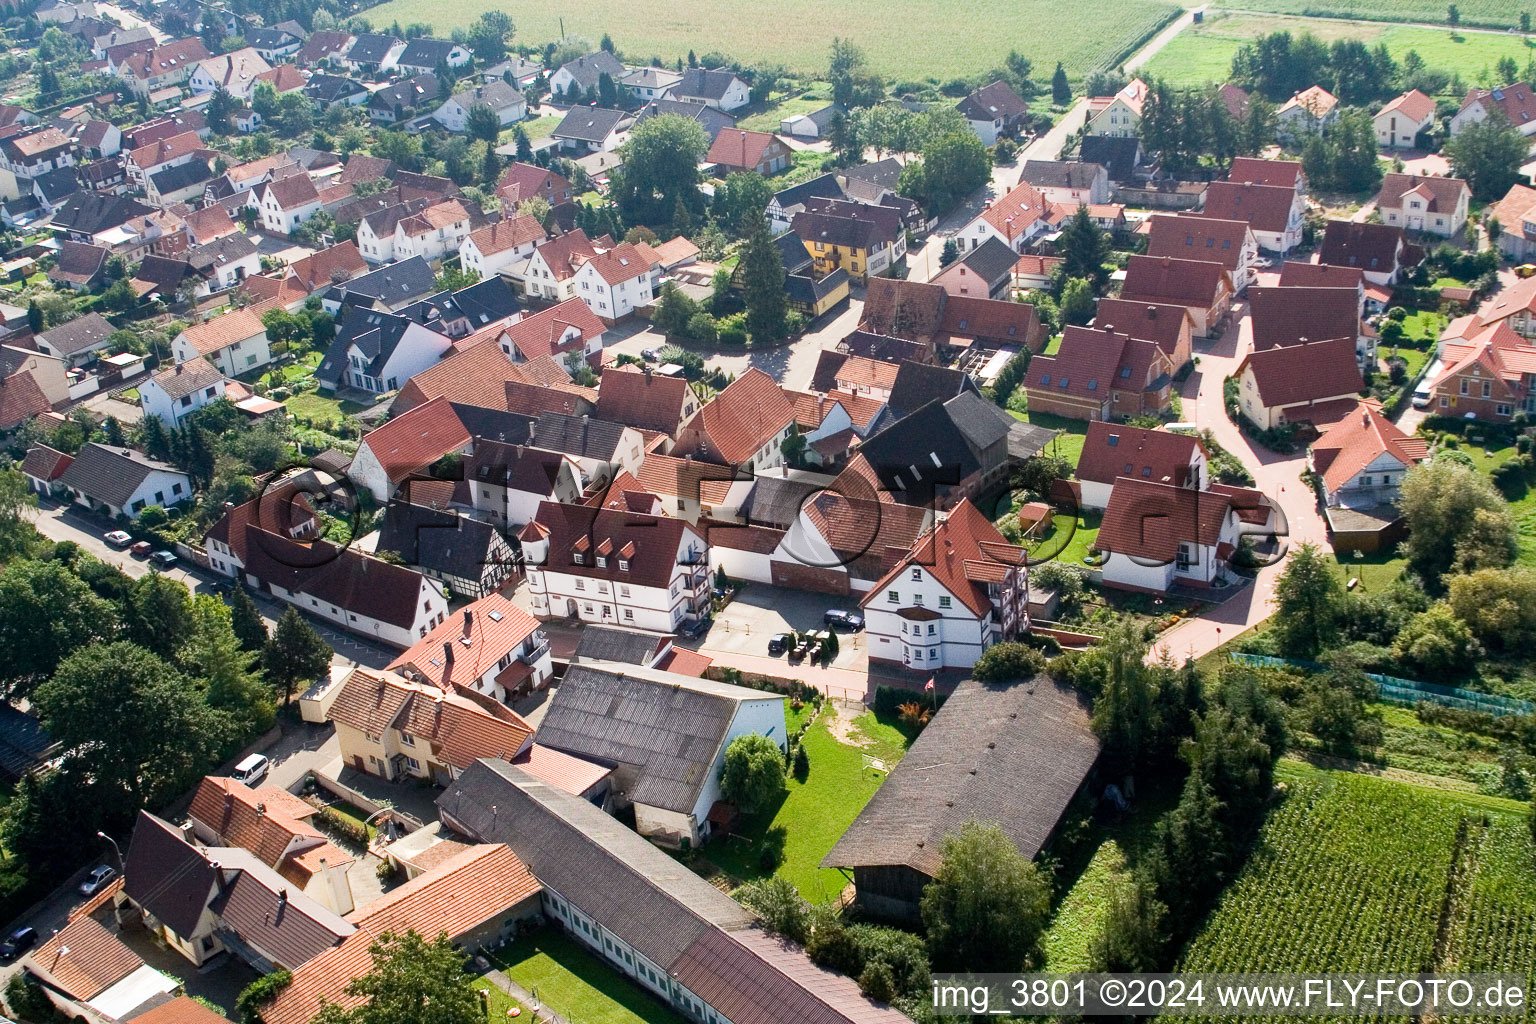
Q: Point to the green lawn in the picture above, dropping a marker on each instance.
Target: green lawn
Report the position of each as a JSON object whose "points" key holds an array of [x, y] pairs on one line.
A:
{"points": [[767, 118], [1203, 53], [1081, 913], [498, 1002], [1053, 346], [1522, 502], [1412, 356], [1070, 434], [1070, 538], [1448, 282], [1424, 325], [539, 128], [1375, 571], [815, 813], [919, 39], [575, 984], [1499, 13], [318, 407]]}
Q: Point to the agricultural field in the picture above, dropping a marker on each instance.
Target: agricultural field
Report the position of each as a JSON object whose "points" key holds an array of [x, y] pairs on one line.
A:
{"points": [[798, 33], [1203, 53], [1497, 13], [1351, 873]]}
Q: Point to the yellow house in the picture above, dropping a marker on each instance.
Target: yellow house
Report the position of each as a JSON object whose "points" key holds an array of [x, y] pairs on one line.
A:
{"points": [[864, 245]]}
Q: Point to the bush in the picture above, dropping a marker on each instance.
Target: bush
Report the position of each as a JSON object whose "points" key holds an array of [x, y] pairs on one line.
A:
{"points": [[732, 330], [1008, 661], [260, 992], [780, 905], [802, 767]]}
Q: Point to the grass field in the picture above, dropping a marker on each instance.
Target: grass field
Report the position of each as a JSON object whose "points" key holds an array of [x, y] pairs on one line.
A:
{"points": [[575, 984], [1498, 13], [1351, 873], [1203, 53], [815, 813], [925, 38], [1521, 502]]}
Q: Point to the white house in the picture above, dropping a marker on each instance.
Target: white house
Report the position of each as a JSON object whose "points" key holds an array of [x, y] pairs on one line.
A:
{"points": [[1399, 123], [1197, 532], [1517, 100], [505, 101], [1118, 116], [615, 282], [1017, 220], [1297, 383], [1115, 450], [505, 243], [1428, 203], [432, 233], [408, 443], [583, 73], [744, 426], [122, 481], [1363, 458], [234, 343], [666, 733], [1309, 112], [377, 352], [491, 646], [236, 73], [716, 87], [612, 566], [180, 391], [285, 204], [646, 84], [961, 589], [1275, 213], [508, 482], [1068, 182]]}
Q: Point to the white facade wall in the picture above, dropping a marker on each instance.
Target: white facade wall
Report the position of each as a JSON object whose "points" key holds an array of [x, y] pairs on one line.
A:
{"points": [[488, 266], [613, 301], [954, 640], [431, 609], [171, 411], [159, 488], [1124, 571], [275, 218], [375, 248], [232, 360]]}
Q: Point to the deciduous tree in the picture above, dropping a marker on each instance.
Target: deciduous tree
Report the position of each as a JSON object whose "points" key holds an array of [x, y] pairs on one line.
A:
{"points": [[753, 774], [661, 171], [986, 907], [294, 654], [1488, 154], [1307, 602], [46, 612], [412, 981], [1456, 520]]}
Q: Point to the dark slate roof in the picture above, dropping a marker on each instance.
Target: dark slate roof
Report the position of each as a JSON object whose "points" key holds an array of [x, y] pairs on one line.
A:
{"points": [[437, 540], [270, 38], [808, 291], [425, 53], [920, 457], [343, 577], [589, 124], [486, 302], [408, 93], [495, 424], [792, 252], [375, 333], [24, 743], [332, 88], [982, 422], [917, 384], [172, 179], [1010, 754], [581, 436], [991, 260], [651, 901], [392, 285], [794, 198], [617, 644], [111, 474], [705, 84], [221, 251], [1118, 155], [57, 185], [1059, 173], [371, 48], [776, 501], [90, 212], [79, 334], [884, 173], [265, 909], [992, 101], [166, 875], [711, 120], [588, 70]]}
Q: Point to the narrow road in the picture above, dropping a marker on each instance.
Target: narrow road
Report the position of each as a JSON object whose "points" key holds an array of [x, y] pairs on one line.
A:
{"points": [[1276, 475], [1162, 39]]}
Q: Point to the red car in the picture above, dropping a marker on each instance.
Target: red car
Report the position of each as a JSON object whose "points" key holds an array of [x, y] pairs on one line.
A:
{"points": [[141, 549]]}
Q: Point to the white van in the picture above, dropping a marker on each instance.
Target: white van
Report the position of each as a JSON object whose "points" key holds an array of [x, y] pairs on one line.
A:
{"points": [[252, 770]]}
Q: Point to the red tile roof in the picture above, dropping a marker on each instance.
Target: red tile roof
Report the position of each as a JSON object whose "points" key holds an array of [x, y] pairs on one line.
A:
{"points": [[963, 536], [1413, 104], [239, 816], [749, 413], [1295, 274], [212, 335], [643, 399], [1357, 440], [1265, 172], [481, 634], [84, 959], [1290, 316], [575, 775], [1147, 519], [156, 153], [471, 376], [1016, 211], [1516, 100], [1190, 283], [417, 438], [1440, 195], [177, 56], [340, 262], [456, 730], [181, 1010], [554, 331], [739, 148], [657, 541], [45, 463], [1299, 374], [1091, 363], [21, 397], [1160, 323], [1315, 100], [1263, 207], [1114, 450], [292, 192], [507, 234], [520, 182], [1210, 239], [565, 253]]}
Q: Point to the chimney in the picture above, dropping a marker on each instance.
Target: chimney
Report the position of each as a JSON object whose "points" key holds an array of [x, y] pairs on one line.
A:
{"points": [[261, 810], [469, 620], [447, 653], [1151, 312]]}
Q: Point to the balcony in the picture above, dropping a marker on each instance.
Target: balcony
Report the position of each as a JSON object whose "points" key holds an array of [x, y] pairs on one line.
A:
{"points": [[539, 649]]}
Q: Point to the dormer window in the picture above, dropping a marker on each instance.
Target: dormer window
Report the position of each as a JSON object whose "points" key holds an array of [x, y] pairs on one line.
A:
{"points": [[602, 561], [578, 558], [624, 565]]}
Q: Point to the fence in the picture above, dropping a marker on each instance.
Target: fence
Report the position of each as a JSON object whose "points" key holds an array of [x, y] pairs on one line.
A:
{"points": [[1395, 690]]}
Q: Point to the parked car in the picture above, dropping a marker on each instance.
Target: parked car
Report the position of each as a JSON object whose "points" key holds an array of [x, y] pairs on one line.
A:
{"points": [[650, 354], [18, 942], [141, 549], [778, 643], [118, 538], [163, 559], [251, 770], [1526, 270], [851, 621], [94, 882]]}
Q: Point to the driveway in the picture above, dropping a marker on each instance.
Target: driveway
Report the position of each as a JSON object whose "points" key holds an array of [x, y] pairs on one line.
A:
{"points": [[1276, 475], [759, 611]]}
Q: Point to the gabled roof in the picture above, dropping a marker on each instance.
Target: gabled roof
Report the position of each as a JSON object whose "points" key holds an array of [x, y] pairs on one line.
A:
{"points": [[990, 102], [1184, 282], [166, 875], [89, 213], [406, 93], [749, 413], [740, 148], [1264, 207], [1516, 100], [174, 179], [1114, 450], [1357, 440], [78, 335], [497, 95], [1413, 105], [283, 78], [222, 331], [425, 53], [480, 635], [291, 193], [706, 84], [474, 376], [1439, 195], [259, 821], [1210, 239], [458, 730], [712, 120], [522, 181], [1148, 519], [1161, 323], [502, 235], [1012, 754], [1315, 100], [417, 438], [1371, 247], [1116, 153], [917, 384], [371, 48], [544, 333], [580, 436], [439, 541], [84, 959], [1286, 173], [1291, 316], [45, 463], [656, 542], [588, 69], [1295, 274], [589, 124], [111, 474], [668, 729], [181, 1010], [233, 70], [1012, 215], [643, 399], [1294, 375], [393, 285], [78, 263], [171, 57], [1060, 173], [187, 378], [21, 398]]}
